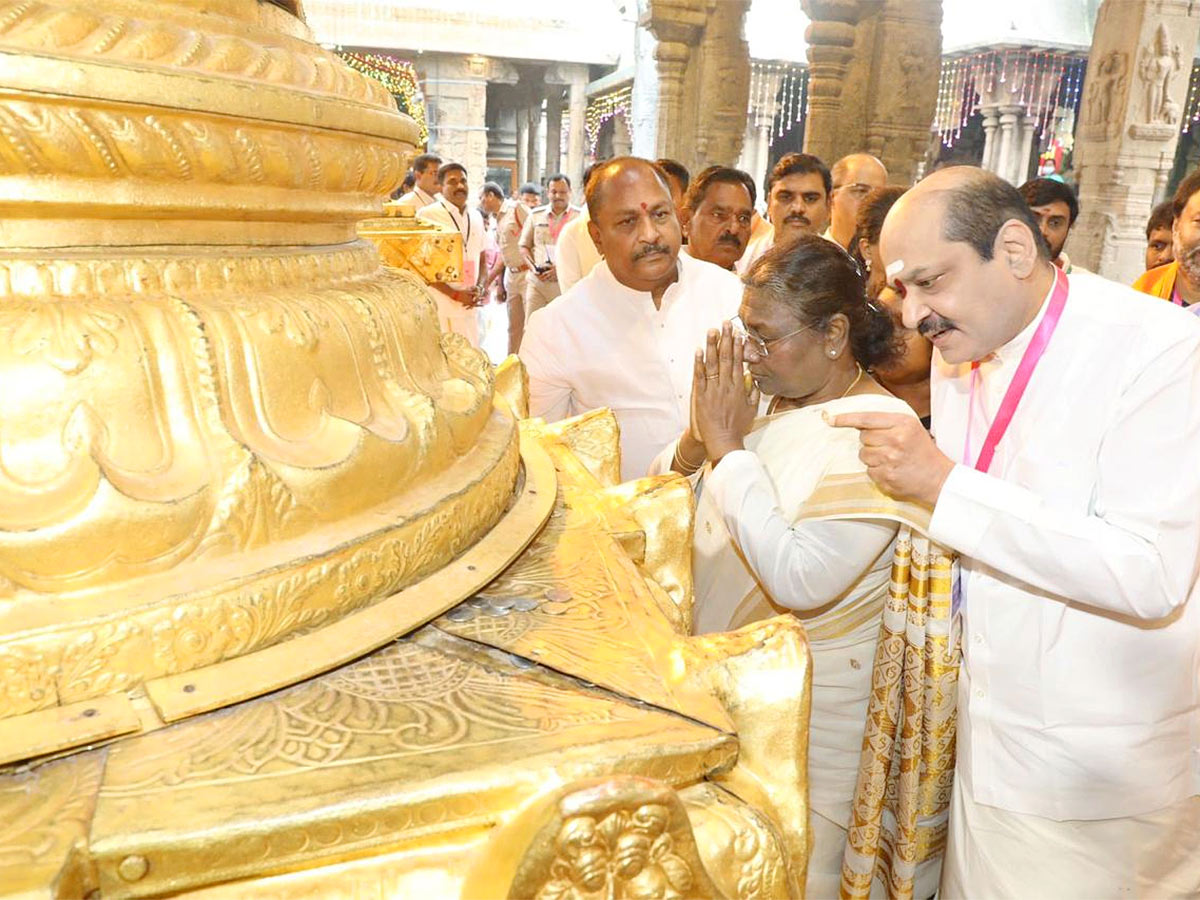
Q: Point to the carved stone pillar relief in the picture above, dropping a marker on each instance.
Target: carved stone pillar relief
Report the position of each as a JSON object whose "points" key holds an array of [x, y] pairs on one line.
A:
{"points": [[1133, 97]]}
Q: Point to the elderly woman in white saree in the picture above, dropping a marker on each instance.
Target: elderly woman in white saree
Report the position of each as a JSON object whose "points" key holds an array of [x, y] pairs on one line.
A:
{"points": [[787, 521]]}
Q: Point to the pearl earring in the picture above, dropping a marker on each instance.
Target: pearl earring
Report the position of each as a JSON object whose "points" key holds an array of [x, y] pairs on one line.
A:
{"points": [[833, 353]]}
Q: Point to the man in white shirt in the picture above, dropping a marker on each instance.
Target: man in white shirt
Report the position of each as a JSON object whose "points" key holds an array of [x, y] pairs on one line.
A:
{"points": [[538, 240], [575, 254], [1076, 513], [425, 185], [798, 197], [626, 335], [457, 300]]}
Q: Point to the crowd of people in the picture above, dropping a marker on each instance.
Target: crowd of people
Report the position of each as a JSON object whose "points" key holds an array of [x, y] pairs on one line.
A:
{"points": [[931, 346]]}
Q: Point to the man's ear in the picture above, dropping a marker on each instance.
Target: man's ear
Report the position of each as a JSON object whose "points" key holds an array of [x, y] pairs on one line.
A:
{"points": [[1017, 246], [594, 233]]}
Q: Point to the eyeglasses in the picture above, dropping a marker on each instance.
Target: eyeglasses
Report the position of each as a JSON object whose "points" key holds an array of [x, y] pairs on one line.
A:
{"points": [[759, 344], [856, 189]]}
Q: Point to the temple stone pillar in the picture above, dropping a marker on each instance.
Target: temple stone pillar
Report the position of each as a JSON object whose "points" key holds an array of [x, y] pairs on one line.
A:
{"points": [[522, 116], [1020, 170], [455, 90], [1135, 90], [873, 75], [830, 36], [703, 80], [554, 111], [644, 100], [577, 135], [991, 122], [533, 115], [571, 79], [903, 74], [723, 85], [1009, 142], [676, 25]]}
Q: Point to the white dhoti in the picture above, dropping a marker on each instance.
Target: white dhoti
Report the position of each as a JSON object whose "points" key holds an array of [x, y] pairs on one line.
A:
{"points": [[996, 853]]}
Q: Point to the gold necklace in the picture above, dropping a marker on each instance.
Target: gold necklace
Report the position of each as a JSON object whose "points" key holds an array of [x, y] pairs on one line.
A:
{"points": [[857, 379]]}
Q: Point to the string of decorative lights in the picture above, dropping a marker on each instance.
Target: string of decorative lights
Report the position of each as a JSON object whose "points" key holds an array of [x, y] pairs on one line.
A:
{"points": [[604, 107], [1040, 82], [778, 95], [400, 79], [1191, 108]]}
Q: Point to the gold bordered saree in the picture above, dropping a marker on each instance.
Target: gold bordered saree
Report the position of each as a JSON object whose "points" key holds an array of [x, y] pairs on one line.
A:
{"points": [[899, 610]]}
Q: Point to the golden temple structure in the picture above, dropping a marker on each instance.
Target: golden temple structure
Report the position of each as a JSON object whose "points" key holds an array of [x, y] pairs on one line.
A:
{"points": [[292, 601]]}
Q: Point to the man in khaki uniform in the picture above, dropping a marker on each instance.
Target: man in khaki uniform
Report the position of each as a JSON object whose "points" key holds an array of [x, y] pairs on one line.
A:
{"points": [[516, 271], [538, 240]]}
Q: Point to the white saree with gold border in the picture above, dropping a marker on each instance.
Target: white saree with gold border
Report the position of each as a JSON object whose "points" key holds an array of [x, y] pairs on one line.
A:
{"points": [[796, 525]]}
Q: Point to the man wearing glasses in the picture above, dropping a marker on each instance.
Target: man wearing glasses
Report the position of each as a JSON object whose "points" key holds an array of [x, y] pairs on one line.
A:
{"points": [[853, 178], [718, 213]]}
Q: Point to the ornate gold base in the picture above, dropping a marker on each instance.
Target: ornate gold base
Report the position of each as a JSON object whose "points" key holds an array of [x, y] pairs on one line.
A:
{"points": [[595, 752]]}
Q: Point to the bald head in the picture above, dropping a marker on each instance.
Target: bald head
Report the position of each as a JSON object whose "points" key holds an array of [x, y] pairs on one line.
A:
{"points": [[974, 205], [620, 172], [853, 178], [857, 166], [964, 251]]}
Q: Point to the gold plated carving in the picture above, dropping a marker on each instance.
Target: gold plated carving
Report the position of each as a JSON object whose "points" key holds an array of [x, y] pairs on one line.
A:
{"points": [[223, 423], [432, 252], [304, 609]]}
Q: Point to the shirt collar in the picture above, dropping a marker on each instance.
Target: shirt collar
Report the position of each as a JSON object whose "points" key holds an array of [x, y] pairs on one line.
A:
{"points": [[642, 299], [1015, 349]]}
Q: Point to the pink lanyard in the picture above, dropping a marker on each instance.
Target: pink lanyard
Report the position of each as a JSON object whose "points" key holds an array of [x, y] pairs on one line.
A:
{"points": [[1175, 298], [1016, 390]]}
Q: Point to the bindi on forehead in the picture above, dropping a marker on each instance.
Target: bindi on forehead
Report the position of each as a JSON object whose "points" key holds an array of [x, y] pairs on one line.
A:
{"points": [[645, 207]]}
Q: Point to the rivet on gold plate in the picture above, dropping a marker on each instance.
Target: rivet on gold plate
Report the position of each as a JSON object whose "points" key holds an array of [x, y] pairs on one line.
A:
{"points": [[133, 868]]}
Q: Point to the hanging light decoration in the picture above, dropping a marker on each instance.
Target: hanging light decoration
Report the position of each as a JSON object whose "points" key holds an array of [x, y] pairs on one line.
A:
{"points": [[604, 107], [1039, 82], [1191, 108], [778, 96]]}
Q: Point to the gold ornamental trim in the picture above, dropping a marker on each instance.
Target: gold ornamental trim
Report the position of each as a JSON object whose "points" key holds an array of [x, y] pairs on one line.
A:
{"points": [[200, 690], [180, 696]]}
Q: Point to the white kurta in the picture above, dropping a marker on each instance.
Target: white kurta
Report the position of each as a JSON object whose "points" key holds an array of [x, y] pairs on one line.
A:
{"points": [[604, 344], [1080, 696], [756, 247], [750, 545], [454, 316], [418, 199], [575, 253]]}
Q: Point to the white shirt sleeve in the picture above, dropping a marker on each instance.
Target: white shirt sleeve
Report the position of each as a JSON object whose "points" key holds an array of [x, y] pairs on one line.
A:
{"points": [[804, 565], [1135, 552], [550, 391], [567, 264]]}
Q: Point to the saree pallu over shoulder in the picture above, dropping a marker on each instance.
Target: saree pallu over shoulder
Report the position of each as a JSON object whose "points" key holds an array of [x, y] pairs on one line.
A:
{"points": [[901, 801], [897, 828]]}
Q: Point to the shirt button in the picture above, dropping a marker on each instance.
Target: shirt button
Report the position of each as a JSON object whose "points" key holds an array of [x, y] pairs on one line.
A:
{"points": [[978, 638], [979, 693]]}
